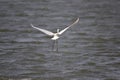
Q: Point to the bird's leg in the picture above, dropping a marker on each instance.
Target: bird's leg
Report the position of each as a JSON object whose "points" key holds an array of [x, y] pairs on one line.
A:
{"points": [[53, 45], [57, 45]]}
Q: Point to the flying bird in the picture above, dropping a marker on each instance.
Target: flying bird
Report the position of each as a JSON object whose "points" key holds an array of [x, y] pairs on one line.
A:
{"points": [[56, 35]]}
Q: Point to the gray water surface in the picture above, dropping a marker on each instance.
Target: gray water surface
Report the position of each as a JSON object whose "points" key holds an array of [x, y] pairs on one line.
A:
{"points": [[90, 50]]}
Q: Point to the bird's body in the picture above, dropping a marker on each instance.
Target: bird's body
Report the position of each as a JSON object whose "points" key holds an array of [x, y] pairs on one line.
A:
{"points": [[56, 35]]}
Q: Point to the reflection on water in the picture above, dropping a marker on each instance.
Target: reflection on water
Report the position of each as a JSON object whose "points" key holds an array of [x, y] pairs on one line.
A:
{"points": [[88, 51]]}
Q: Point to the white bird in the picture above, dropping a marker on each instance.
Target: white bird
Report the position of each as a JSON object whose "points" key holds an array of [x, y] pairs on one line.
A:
{"points": [[55, 36]]}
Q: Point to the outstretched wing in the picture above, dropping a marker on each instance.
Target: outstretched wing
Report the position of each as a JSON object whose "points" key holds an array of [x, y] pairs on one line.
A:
{"points": [[68, 27], [44, 31]]}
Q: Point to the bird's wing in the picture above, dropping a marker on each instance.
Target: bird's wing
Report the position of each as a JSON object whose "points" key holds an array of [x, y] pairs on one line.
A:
{"points": [[44, 31], [62, 31]]}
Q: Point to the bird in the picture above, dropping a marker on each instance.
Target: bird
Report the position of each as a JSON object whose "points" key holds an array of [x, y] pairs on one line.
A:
{"points": [[55, 36]]}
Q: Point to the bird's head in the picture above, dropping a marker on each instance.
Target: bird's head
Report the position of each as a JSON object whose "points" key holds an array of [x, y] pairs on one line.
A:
{"points": [[58, 30]]}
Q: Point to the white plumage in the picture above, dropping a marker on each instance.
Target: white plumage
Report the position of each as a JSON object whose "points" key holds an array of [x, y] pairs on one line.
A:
{"points": [[55, 36]]}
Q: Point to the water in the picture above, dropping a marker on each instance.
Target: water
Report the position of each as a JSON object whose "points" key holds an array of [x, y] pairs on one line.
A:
{"points": [[90, 50]]}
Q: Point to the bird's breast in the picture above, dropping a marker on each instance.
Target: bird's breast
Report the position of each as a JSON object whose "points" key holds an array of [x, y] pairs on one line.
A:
{"points": [[55, 37]]}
